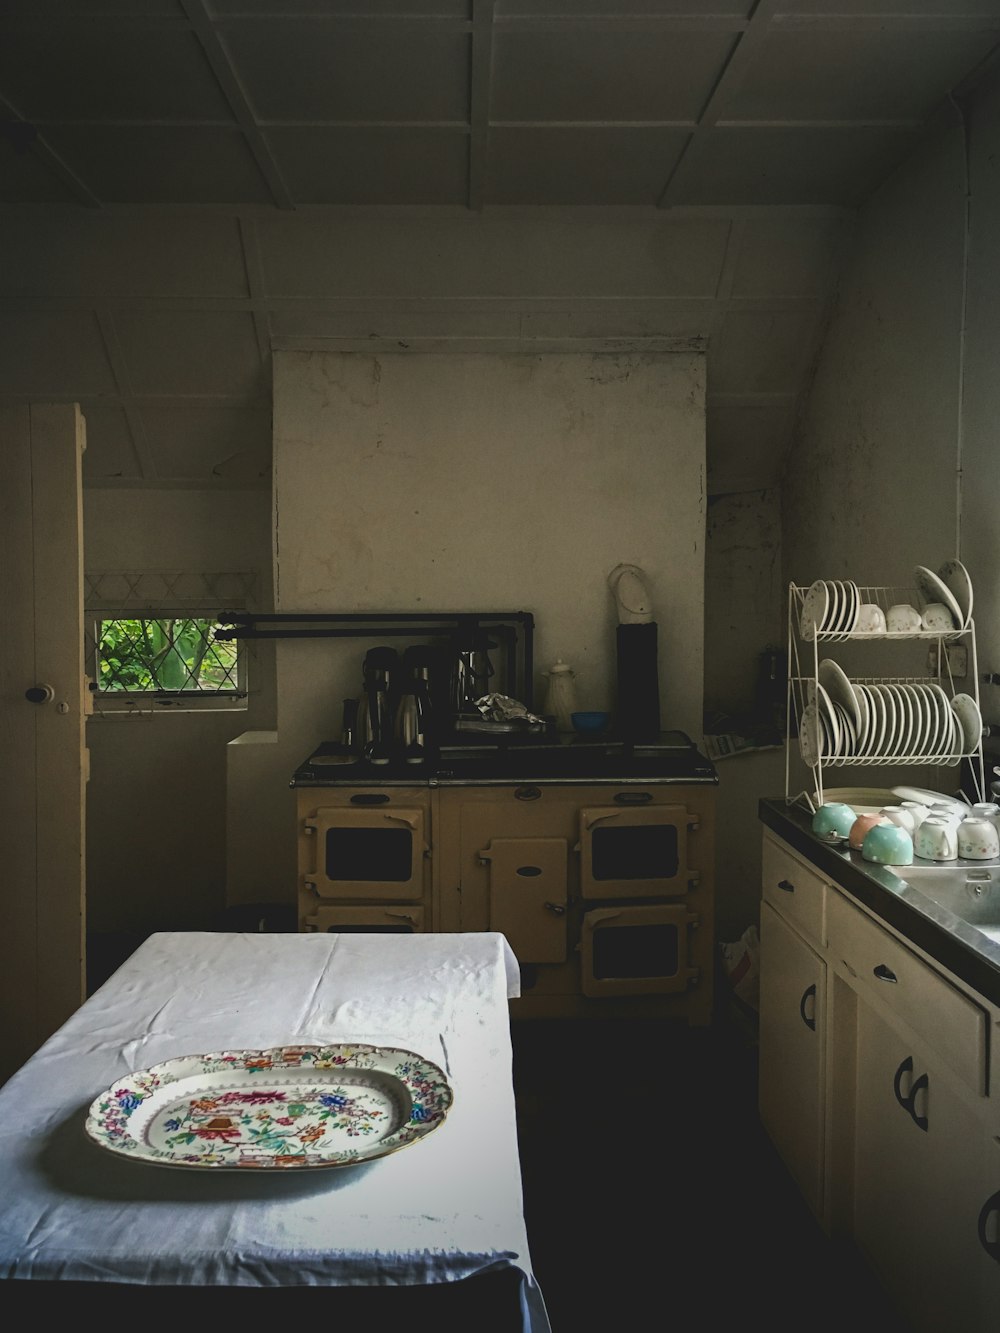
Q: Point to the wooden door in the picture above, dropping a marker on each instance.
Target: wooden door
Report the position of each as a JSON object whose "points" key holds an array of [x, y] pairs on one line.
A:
{"points": [[45, 700]]}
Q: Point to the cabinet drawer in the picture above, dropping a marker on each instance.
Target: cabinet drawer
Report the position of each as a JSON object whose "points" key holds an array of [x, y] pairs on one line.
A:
{"points": [[794, 889], [951, 1023]]}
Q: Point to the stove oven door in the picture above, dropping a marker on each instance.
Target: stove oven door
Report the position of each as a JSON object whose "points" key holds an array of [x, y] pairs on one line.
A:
{"points": [[375, 853], [635, 851], [640, 949]]}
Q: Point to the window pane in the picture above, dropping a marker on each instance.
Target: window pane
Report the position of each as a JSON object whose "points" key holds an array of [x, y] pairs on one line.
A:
{"points": [[139, 655]]}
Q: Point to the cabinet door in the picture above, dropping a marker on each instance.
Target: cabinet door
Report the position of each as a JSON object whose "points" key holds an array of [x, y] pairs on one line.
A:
{"points": [[918, 1184], [792, 1052]]}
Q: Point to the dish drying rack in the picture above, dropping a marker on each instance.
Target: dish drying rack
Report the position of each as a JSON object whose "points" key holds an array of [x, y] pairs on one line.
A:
{"points": [[804, 656]]}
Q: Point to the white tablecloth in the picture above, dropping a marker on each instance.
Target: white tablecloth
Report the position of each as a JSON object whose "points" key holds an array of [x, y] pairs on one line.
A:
{"points": [[446, 1208]]}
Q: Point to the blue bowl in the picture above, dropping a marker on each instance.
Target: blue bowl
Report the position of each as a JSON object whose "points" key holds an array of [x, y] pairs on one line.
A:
{"points": [[590, 721]]}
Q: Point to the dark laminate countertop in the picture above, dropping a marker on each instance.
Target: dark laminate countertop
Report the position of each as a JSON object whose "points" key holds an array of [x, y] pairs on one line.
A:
{"points": [[969, 955]]}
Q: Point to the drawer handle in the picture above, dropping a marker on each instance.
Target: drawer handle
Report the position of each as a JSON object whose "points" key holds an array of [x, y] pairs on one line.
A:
{"points": [[884, 973], [633, 797], [370, 798], [992, 1247], [527, 793], [809, 992], [908, 1102], [530, 871], [787, 885]]}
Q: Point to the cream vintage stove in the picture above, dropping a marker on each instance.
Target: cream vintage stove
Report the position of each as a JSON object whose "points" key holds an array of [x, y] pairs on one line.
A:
{"points": [[595, 858]]}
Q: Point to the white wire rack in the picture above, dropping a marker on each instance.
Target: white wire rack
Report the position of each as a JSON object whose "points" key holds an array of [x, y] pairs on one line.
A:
{"points": [[923, 742]]}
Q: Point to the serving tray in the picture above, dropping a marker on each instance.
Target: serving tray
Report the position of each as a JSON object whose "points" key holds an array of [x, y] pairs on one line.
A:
{"points": [[283, 1108]]}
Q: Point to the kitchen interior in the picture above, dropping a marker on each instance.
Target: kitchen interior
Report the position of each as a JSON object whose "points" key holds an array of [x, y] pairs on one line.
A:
{"points": [[539, 325]]}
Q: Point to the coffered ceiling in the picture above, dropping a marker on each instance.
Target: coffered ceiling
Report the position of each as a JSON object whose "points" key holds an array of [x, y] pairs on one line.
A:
{"points": [[739, 135]]}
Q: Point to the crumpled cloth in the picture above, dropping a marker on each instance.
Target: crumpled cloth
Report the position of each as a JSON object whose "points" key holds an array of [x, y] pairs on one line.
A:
{"points": [[439, 1210]]}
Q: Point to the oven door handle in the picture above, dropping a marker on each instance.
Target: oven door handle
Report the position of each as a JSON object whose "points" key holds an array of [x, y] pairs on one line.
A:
{"points": [[409, 820], [591, 820]]}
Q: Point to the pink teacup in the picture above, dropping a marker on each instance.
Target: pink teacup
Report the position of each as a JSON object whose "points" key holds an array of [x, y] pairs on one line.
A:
{"points": [[856, 837]]}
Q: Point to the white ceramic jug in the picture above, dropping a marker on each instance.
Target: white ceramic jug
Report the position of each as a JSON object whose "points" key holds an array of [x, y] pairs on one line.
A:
{"points": [[560, 699]]}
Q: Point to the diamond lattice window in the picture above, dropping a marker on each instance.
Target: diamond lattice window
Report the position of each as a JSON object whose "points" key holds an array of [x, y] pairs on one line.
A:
{"points": [[146, 653]]}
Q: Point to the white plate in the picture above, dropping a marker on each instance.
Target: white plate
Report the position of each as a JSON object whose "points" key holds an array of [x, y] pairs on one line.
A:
{"points": [[970, 719], [904, 740], [834, 680], [848, 732], [833, 615], [853, 606], [862, 699], [891, 720], [810, 736], [920, 700], [933, 590], [831, 722], [926, 797], [876, 737], [956, 578], [944, 737], [280, 1109], [814, 608]]}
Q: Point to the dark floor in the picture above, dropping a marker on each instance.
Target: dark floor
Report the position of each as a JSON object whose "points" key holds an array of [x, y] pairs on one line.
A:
{"points": [[653, 1198]]}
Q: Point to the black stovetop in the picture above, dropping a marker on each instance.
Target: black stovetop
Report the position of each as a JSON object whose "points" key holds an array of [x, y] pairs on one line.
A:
{"points": [[669, 756]]}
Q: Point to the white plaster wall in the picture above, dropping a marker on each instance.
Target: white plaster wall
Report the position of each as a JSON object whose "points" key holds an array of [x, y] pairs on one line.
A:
{"points": [[871, 483], [156, 800], [446, 481], [980, 447]]}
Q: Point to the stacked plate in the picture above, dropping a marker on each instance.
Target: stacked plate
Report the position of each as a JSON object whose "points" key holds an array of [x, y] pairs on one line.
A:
{"points": [[830, 606], [879, 720], [952, 586]]}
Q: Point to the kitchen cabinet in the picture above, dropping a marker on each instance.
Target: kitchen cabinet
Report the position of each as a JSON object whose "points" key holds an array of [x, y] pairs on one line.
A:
{"points": [[888, 1112], [793, 1007], [604, 888]]}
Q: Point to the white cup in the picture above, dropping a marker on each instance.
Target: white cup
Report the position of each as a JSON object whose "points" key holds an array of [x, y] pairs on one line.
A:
{"points": [[949, 812], [870, 619], [903, 619], [918, 811], [977, 839], [937, 618], [936, 840], [901, 816]]}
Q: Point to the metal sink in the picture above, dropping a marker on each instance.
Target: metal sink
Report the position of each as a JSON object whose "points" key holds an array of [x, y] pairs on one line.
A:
{"points": [[967, 890]]}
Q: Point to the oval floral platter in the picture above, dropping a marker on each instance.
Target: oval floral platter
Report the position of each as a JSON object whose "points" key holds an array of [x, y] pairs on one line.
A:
{"points": [[284, 1108]]}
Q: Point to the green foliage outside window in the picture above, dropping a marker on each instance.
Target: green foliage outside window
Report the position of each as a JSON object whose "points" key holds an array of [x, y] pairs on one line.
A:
{"points": [[174, 653]]}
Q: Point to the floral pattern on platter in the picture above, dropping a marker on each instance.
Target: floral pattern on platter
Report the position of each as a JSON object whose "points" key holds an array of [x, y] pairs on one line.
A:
{"points": [[288, 1107]]}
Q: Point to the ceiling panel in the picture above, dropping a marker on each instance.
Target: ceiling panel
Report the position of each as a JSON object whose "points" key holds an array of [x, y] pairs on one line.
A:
{"points": [[626, 8], [181, 352], [872, 75], [158, 164], [53, 352], [81, 71], [233, 444], [27, 179], [783, 167], [459, 9], [91, 254], [109, 451], [302, 71], [561, 165], [597, 74], [377, 165]]}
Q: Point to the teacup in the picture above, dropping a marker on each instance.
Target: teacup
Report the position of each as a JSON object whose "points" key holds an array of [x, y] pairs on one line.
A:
{"points": [[900, 815], [902, 619], [936, 840], [860, 827], [938, 618], [870, 619], [888, 845], [832, 821], [951, 813], [977, 838], [918, 812]]}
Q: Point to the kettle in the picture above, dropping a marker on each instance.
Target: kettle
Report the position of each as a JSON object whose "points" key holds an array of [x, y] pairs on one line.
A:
{"points": [[374, 722], [560, 699], [413, 721]]}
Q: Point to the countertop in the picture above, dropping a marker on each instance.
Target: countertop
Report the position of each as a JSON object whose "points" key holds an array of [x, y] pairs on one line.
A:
{"points": [[969, 955], [672, 758]]}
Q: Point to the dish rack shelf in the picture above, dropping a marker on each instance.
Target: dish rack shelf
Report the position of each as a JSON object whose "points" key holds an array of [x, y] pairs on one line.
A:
{"points": [[809, 659]]}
